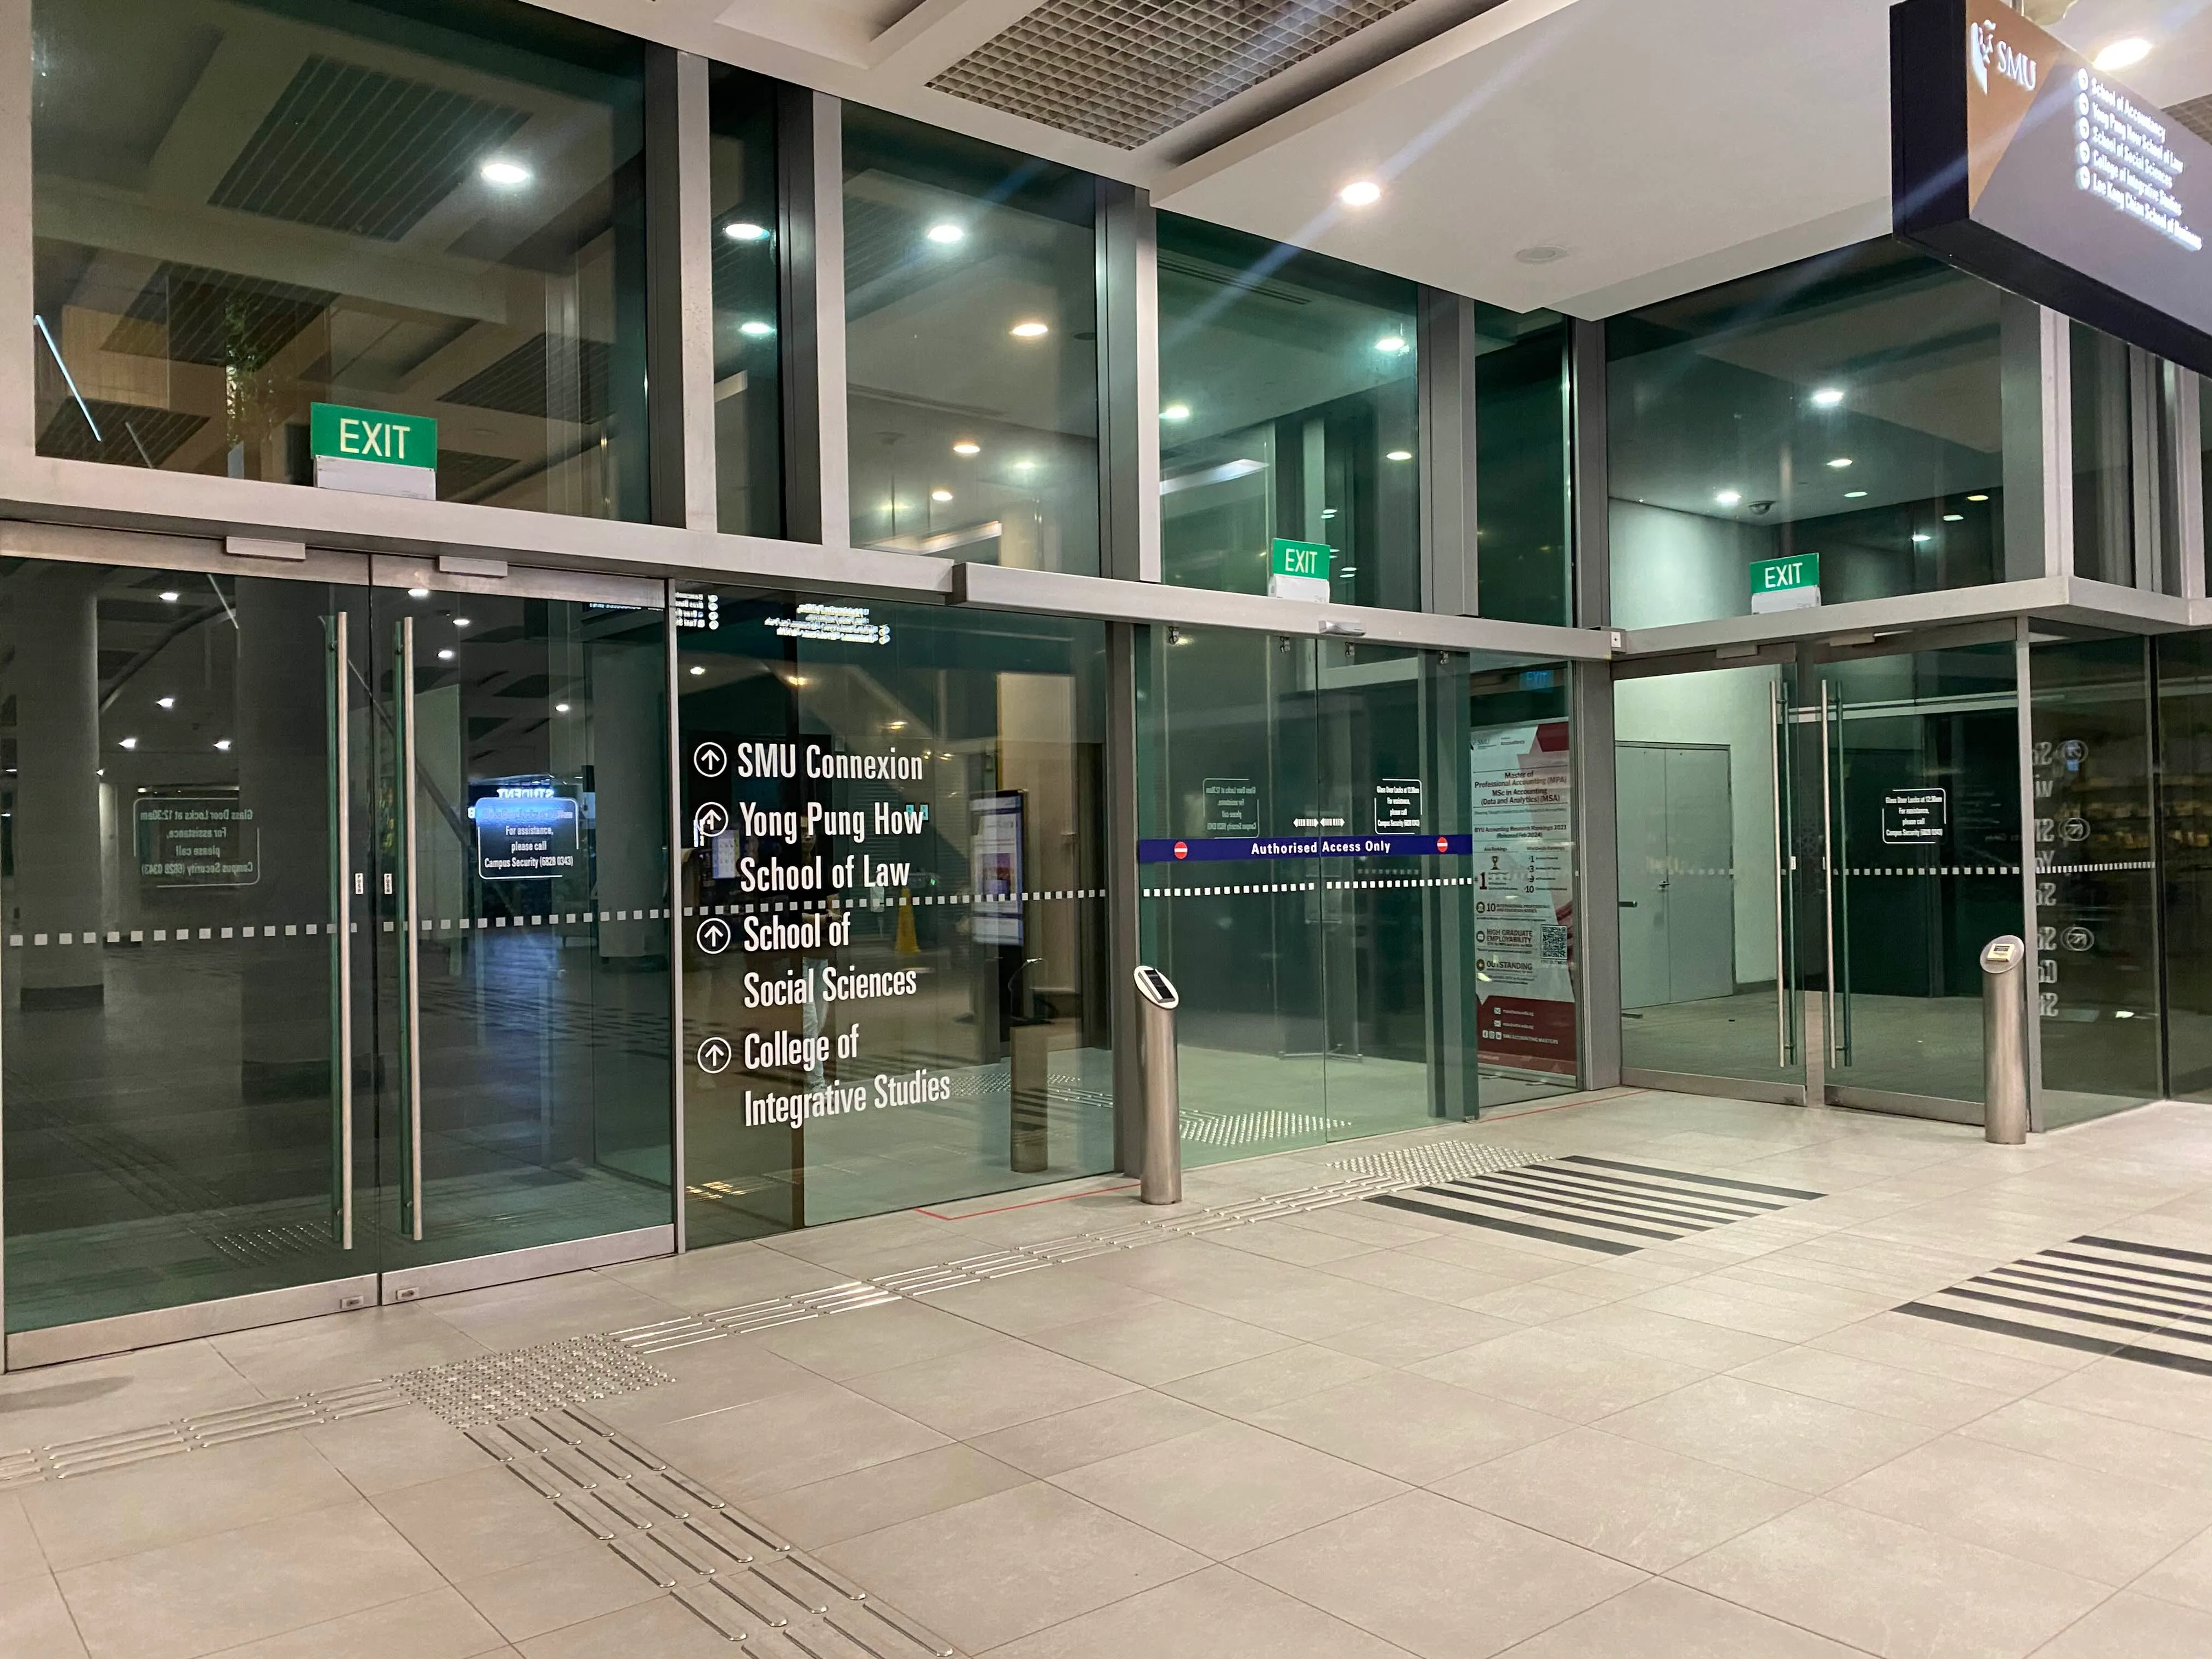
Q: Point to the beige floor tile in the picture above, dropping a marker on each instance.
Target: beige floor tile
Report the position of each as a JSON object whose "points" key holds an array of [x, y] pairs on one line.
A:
{"points": [[1412, 1427], [57, 1403], [1009, 1564], [841, 1346], [722, 1276], [1911, 1345], [662, 1628], [19, 1554], [1661, 1620], [1216, 1613], [1438, 1578], [1418, 1275], [1791, 1439], [1228, 1489], [239, 1587], [2109, 1443], [309, 1354], [885, 1494], [1281, 1242], [2135, 1393], [1538, 1302], [585, 1584], [1424, 1336], [1665, 1336], [438, 1624], [2133, 1627], [1162, 1343], [2105, 1527], [1090, 1433], [1738, 1308], [1037, 1301], [793, 1438], [2185, 1577], [1936, 1402], [1893, 1589], [1648, 1507], [172, 1499], [484, 1522], [990, 1385], [390, 1449], [546, 1310], [1253, 1385], [1563, 1376], [709, 1375], [34, 1621]]}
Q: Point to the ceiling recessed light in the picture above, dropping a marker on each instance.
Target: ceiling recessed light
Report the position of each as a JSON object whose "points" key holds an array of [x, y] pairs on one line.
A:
{"points": [[1840, 462], [697, 670], [1853, 494], [744, 230], [129, 743], [1954, 518], [945, 235], [800, 679], [559, 707], [1360, 192], [505, 174], [1829, 397], [1031, 330], [223, 744], [165, 702], [754, 327], [1398, 455], [169, 597], [1175, 412], [418, 592], [1392, 345], [967, 446], [1921, 536], [1540, 253], [446, 655], [460, 622], [1025, 465], [1728, 497], [940, 494], [2122, 53], [1978, 498]]}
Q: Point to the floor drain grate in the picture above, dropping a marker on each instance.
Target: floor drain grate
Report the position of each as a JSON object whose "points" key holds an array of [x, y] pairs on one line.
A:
{"points": [[469, 1393], [734, 1574]]}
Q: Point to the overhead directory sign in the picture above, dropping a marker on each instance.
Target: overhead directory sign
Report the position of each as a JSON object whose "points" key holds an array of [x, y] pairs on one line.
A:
{"points": [[373, 451], [2015, 159]]}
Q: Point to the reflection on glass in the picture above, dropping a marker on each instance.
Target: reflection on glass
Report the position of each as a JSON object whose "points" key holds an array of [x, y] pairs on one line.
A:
{"points": [[972, 348], [427, 209], [1926, 851], [541, 965], [1288, 409], [2097, 887], [2184, 773], [894, 969], [1707, 958], [2103, 471], [1328, 988], [168, 965], [742, 228], [1524, 491], [1871, 408]]}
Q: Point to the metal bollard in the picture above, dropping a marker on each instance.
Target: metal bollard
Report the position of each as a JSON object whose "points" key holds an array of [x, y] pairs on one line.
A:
{"points": [[1161, 1180], [2004, 1040]]}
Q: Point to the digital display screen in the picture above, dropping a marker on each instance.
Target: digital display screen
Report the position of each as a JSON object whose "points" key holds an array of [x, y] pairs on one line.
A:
{"points": [[2016, 160]]}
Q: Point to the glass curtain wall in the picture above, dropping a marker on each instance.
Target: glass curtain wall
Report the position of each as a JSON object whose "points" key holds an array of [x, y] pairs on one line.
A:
{"points": [[1306, 865], [742, 228], [971, 317], [428, 207], [1523, 436], [1289, 413], [2185, 799], [1870, 410], [2104, 458], [894, 883]]}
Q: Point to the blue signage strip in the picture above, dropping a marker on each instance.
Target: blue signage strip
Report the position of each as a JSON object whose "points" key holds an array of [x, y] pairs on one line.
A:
{"points": [[1210, 849]]}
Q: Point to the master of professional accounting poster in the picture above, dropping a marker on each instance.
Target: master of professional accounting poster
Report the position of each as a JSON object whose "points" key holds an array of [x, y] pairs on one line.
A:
{"points": [[1524, 899]]}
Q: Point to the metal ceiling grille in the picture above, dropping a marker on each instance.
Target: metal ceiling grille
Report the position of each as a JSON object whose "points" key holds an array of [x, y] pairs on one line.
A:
{"points": [[1126, 71], [547, 378], [352, 149], [2196, 116], [217, 317], [131, 435]]}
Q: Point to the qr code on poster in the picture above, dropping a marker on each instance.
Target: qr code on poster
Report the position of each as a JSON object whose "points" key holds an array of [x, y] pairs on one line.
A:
{"points": [[1554, 941]]}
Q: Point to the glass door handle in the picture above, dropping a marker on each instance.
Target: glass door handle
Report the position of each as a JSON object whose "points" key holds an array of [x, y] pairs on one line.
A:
{"points": [[338, 744], [1828, 879], [1779, 713], [410, 925]]}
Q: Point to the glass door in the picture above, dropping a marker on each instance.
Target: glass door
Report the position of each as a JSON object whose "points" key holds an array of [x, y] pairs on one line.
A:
{"points": [[1711, 849], [516, 795], [187, 1142]]}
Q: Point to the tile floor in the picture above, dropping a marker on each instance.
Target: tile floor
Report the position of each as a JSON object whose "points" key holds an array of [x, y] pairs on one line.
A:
{"points": [[1361, 1432]]}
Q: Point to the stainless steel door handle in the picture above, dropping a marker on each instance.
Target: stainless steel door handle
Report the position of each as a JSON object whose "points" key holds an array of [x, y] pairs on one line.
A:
{"points": [[337, 745], [1828, 879], [410, 925], [1785, 1048]]}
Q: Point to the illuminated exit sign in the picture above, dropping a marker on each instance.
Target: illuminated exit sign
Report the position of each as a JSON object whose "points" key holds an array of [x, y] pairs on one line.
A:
{"points": [[1298, 570], [373, 451], [1792, 584]]}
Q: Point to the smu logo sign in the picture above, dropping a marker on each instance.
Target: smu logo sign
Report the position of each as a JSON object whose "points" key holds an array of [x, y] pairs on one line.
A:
{"points": [[1984, 52]]}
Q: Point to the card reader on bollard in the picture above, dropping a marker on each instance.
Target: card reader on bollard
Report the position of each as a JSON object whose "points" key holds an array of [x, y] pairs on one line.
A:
{"points": [[2004, 1040], [1160, 1181]]}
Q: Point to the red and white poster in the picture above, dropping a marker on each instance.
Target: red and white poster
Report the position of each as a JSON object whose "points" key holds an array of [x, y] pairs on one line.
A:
{"points": [[1525, 900]]}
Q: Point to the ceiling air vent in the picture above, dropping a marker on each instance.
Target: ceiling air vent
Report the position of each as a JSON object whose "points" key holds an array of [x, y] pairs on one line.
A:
{"points": [[1126, 71], [2196, 115]]}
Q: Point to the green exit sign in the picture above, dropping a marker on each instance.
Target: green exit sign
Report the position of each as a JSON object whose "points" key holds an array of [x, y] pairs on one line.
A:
{"points": [[1298, 570], [373, 451], [1791, 584]]}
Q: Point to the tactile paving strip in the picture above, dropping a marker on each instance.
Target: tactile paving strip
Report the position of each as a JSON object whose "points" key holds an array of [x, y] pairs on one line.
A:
{"points": [[741, 1580], [569, 1372], [1441, 1160], [109, 1451]]}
